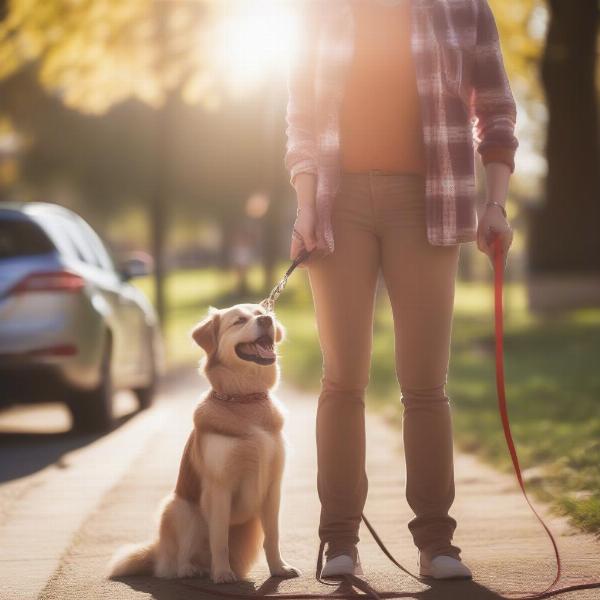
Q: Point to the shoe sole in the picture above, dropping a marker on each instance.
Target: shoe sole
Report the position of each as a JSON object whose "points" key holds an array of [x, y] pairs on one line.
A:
{"points": [[427, 575], [357, 572]]}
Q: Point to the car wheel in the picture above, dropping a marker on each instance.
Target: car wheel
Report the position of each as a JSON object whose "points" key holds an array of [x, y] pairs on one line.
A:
{"points": [[92, 411], [145, 395]]}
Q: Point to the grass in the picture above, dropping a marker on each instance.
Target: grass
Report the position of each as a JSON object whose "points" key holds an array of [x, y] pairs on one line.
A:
{"points": [[551, 370]]}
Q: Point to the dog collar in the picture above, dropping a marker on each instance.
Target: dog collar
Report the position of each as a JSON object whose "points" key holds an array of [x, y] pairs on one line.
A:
{"points": [[245, 398]]}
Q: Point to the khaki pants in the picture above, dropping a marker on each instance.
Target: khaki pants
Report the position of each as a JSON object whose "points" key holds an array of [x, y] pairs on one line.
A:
{"points": [[378, 221]]}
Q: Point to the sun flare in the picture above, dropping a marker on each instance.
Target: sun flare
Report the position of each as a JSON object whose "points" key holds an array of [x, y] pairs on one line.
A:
{"points": [[254, 41]]}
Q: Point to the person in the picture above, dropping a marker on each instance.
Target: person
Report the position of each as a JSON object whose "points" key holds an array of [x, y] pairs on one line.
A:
{"points": [[388, 100]]}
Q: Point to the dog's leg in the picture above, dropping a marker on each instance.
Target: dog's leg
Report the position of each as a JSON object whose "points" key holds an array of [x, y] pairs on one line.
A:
{"points": [[201, 549], [187, 523], [217, 506], [166, 548], [165, 564], [270, 523]]}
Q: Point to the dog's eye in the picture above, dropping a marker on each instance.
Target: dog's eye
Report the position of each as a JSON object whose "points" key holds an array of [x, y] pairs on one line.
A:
{"points": [[240, 320]]}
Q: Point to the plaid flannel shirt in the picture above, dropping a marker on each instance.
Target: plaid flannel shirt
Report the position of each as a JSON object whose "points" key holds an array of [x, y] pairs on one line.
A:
{"points": [[465, 99]]}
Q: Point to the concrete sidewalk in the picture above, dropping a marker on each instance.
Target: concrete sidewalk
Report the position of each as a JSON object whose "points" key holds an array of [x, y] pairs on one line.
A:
{"points": [[501, 540]]}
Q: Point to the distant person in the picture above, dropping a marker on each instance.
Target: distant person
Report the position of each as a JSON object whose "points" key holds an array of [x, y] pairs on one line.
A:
{"points": [[241, 257], [380, 153]]}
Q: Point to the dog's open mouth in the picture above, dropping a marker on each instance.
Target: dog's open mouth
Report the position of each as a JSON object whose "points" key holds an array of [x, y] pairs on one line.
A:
{"points": [[260, 351]]}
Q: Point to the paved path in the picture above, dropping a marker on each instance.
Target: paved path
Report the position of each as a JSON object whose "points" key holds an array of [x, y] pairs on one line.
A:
{"points": [[60, 523]]}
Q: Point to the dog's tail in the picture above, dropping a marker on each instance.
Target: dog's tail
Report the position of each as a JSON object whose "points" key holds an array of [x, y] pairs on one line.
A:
{"points": [[245, 541], [133, 559]]}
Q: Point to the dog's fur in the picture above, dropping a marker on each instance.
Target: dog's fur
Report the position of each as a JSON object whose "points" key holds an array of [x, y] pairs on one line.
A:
{"points": [[226, 500]]}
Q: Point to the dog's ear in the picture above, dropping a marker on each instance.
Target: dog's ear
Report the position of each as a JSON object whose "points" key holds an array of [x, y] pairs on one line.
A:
{"points": [[205, 333], [279, 332]]}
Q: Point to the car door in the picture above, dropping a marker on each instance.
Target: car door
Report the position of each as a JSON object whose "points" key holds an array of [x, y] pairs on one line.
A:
{"points": [[133, 314], [107, 298]]}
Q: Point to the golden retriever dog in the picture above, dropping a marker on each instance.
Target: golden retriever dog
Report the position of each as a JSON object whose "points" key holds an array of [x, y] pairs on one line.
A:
{"points": [[226, 500]]}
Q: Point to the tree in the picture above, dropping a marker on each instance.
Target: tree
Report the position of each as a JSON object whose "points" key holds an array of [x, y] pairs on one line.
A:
{"points": [[96, 54], [560, 69], [563, 233]]}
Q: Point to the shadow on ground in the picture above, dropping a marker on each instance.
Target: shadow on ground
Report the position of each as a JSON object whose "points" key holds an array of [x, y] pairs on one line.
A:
{"points": [[29, 449], [29, 452], [387, 587]]}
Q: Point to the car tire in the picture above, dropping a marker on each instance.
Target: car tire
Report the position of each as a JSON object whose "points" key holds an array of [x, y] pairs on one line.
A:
{"points": [[92, 410], [145, 395]]}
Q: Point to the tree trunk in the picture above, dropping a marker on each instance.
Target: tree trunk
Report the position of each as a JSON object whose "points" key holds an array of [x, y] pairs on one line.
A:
{"points": [[158, 211], [564, 233]]}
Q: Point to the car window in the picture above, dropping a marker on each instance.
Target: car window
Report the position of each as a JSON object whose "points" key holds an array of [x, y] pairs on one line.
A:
{"points": [[75, 234], [22, 238], [99, 248], [82, 243], [55, 227]]}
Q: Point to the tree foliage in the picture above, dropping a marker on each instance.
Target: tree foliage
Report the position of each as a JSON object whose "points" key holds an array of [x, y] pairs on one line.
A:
{"points": [[521, 24], [96, 53]]}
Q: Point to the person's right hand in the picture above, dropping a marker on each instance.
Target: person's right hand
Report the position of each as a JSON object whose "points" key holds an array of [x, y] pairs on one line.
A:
{"points": [[303, 232]]}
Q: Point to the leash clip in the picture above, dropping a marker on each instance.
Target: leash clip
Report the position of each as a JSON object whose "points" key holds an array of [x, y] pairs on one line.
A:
{"points": [[269, 302]]}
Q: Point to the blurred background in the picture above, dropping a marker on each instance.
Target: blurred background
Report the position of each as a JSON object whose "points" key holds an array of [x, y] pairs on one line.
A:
{"points": [[162, 124]]}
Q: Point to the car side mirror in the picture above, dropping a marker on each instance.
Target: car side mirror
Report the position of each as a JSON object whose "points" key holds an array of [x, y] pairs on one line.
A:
{"points": [[136, 264]]}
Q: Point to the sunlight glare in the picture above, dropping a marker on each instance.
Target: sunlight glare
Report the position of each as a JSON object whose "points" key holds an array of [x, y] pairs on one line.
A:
{"points": [[254, 39]]}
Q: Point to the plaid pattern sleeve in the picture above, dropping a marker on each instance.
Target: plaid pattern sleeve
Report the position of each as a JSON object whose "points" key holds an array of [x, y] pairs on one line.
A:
{"points": [[301, 146], [492, 103]]}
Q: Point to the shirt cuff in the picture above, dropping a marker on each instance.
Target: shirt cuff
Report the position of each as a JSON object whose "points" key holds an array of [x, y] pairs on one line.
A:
{"points": [[304, 166], [501, 154]]}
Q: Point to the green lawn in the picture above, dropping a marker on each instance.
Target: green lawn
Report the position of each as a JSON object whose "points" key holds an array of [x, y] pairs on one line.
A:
{"points": [[551, 370]]}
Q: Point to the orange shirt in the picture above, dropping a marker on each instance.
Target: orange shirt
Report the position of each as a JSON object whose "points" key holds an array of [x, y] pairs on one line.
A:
{"points": [[380, 118]]}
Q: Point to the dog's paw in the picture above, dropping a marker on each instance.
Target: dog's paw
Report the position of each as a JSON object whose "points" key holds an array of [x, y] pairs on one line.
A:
{"points": [[166, 573], [286, 571], [223, 576], [189, 570], [165, 570]]}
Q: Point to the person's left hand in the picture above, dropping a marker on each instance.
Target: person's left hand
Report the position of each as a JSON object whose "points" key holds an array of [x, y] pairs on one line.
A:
{"points": [[494, 224]]}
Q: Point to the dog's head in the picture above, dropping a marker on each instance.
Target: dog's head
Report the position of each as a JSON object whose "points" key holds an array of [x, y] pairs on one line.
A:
{"points": [[240, 345]]}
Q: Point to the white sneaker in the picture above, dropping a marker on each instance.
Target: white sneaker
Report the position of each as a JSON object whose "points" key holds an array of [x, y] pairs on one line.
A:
{"points": [[342, 565], [443, 567]]}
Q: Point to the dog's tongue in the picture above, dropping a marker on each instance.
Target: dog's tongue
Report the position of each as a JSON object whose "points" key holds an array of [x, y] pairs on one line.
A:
{"points": [[257, 349]]}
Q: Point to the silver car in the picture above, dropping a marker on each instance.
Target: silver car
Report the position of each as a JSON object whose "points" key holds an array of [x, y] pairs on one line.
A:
{"points": [[72, 328]]}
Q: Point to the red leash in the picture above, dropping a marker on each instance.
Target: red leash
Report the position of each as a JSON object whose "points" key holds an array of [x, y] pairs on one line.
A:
{"points": [[499, 327]]}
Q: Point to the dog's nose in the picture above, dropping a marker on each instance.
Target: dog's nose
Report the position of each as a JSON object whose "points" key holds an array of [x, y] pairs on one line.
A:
{"points": [[265, 321]]}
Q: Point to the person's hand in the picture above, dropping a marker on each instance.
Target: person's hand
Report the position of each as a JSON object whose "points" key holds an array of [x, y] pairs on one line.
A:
{"points": [[493, 224], [303, 232]]}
